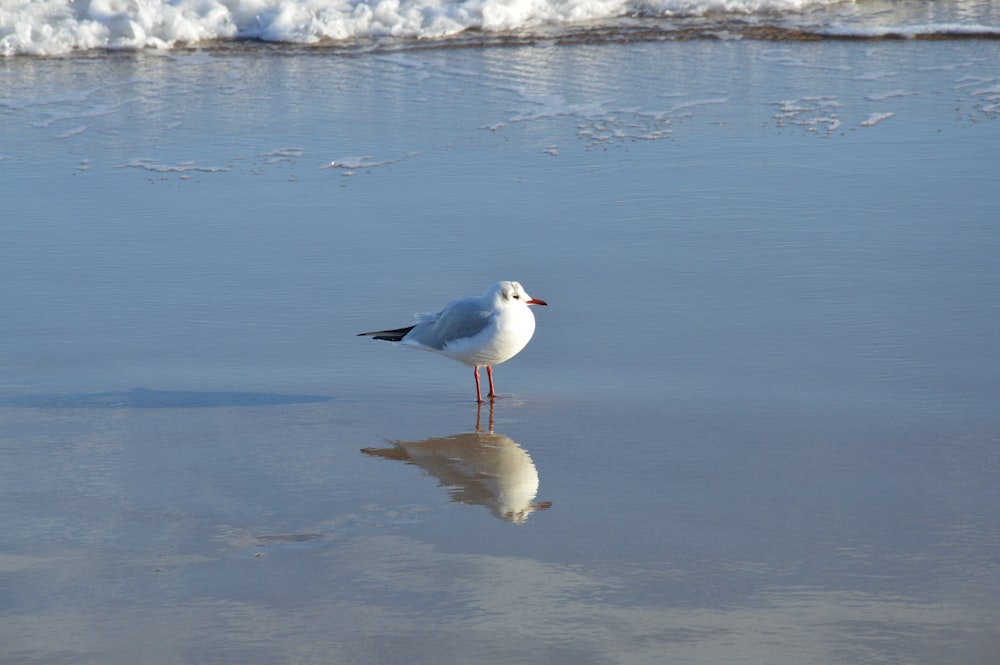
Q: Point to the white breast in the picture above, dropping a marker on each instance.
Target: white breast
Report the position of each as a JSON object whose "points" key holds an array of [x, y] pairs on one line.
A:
{"points": [[508, 333]]}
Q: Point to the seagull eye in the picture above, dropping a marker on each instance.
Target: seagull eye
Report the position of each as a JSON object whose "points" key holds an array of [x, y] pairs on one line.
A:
{"points": [[517, 295]]}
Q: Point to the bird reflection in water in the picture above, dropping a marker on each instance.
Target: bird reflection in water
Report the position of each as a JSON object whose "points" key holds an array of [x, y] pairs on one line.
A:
{"points": [[478, 468]]}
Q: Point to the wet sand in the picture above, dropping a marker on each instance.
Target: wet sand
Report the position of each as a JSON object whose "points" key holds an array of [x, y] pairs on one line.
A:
{"points": [[756, 424]]}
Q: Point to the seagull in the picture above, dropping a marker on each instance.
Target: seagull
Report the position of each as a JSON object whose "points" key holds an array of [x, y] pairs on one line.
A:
{"points": [[479, 331]]}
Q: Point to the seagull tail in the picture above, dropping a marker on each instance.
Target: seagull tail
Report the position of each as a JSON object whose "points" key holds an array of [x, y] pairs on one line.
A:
{"points": [[387, 335]]}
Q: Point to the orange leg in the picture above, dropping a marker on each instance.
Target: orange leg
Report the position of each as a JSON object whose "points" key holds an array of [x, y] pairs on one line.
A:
{"points": [[479, 394], [489, 373]]}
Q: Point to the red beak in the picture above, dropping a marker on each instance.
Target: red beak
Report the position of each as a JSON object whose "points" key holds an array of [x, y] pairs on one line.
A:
{"points": [[536, 301]]}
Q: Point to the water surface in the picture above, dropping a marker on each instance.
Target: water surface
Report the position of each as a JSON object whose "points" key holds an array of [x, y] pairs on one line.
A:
{"points": [[757, 422]]}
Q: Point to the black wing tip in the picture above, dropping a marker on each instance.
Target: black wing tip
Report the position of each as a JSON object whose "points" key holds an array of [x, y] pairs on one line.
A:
{"points": [[387, 335]]}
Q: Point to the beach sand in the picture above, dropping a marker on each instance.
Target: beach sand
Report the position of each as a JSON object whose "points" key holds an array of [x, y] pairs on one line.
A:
{"points": [[756, 423]]}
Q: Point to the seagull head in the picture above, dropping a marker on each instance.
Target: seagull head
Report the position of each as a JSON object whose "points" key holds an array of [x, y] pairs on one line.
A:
{"points": [[510, 293]]}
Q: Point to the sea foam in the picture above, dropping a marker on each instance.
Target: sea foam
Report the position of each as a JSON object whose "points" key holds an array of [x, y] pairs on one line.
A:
{"points": [[51, 27], [54, 27]]}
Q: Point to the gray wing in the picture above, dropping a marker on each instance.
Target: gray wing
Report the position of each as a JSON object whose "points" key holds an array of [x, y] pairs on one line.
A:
{"points": [[459, 319]]}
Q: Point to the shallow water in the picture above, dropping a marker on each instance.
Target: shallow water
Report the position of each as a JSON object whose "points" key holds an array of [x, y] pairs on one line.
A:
{"points": [[761, 403]]}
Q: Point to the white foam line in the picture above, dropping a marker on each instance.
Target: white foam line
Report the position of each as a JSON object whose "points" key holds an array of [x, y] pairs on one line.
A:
{"points": [[95, 112], [874, 76], [281, 155], [183, 167], [698, 102], [972, 81], [72, 132], [363, 162], [553, 106], [876, 118], [831, 123], [990, 92], [889, 95]]}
